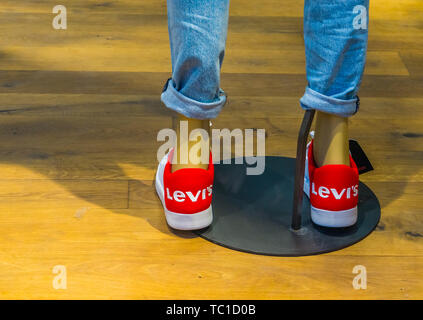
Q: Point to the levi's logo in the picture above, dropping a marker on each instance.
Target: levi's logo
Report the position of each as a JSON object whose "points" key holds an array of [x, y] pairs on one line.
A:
{"points": [[181, 196], [325, 192]]}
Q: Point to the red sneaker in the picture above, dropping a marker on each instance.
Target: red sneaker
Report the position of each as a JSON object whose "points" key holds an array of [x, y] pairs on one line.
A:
{"points": [[186, 194], [333, 192]]}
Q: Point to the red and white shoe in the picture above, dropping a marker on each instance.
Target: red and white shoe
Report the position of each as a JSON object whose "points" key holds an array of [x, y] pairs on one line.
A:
{"points": [[333, 192], [186, 194]]}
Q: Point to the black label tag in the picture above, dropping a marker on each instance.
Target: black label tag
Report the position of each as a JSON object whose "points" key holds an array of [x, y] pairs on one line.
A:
{"points": [[360, 158]]}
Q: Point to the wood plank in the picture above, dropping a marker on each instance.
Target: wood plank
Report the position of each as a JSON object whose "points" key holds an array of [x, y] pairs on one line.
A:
{"points": [[391, 9], [148, 259], [370, 107], [134, 30], [404, 11], [151, 59], [255, 85], [77, 82], [63, 193], [141, 105], [79, 6], [413, 59]]}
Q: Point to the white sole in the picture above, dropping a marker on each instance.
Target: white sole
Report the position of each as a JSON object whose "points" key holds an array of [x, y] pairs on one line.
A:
{"points": [[334, 219], [181, 221]]}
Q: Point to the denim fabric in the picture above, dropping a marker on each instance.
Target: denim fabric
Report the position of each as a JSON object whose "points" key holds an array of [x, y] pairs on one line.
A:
{"points": [[335, 35], [197, 33]]}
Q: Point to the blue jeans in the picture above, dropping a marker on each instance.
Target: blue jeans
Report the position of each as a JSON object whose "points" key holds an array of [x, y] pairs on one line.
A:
{"points": [[335, 36]]}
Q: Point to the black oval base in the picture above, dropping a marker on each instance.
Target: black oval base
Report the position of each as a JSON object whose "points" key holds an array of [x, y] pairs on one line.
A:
{"points": [[253, 213]]}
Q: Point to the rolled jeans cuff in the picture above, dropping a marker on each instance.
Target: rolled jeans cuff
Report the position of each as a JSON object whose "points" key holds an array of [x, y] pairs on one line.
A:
{"points": [[188, 107], [314, 100]]}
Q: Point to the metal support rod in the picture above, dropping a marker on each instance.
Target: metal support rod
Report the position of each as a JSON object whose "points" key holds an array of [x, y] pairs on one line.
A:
{"points": [[299, 169]]}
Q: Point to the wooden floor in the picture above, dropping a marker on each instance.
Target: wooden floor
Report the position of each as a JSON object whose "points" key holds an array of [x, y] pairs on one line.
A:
{"points": [[79, 115]]}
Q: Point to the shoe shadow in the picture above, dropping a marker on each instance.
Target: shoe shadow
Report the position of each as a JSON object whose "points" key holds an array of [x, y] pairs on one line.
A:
{"points": [[103, 153]]}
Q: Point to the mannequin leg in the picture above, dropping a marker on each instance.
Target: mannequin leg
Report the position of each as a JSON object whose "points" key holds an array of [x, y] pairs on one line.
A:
{"points": [[335, 34], [197, 34], [331, 144], [194, 158], [335, 37]]}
